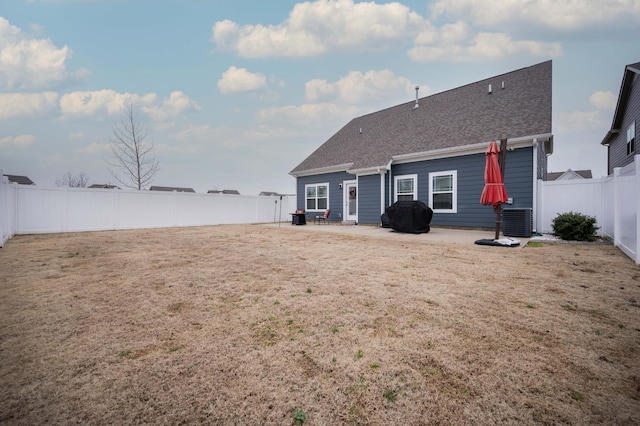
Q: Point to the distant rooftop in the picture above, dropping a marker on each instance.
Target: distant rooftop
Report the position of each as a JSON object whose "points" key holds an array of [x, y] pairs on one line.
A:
{"points": [[569, 174], [21, 180], [170, 189], [103, 186], [224, 191]]}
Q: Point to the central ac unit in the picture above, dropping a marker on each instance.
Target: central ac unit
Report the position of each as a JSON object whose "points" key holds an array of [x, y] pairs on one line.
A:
{"points": [[517, 222]]}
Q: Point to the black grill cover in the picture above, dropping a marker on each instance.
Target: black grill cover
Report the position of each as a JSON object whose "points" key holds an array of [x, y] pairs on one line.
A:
{"points": [[385, 221], [409, 216]]}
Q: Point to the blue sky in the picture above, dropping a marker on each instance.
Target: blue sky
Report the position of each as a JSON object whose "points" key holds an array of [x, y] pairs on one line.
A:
{"points": [[235, 94]]}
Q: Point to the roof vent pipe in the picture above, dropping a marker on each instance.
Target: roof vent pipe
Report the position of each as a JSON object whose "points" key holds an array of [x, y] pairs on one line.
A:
{"points": [[489, 90], [503, 84], [417, 105]]}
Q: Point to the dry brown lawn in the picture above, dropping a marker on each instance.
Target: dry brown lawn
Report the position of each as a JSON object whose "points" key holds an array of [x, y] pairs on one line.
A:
{"points": [[253, 325]]}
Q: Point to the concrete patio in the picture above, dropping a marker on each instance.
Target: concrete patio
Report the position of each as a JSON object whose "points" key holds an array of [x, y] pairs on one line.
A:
{"points": [[449, 235]]}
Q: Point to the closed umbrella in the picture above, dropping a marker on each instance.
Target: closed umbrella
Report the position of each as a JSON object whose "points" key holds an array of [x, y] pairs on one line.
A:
{"points": [[494, 192]]}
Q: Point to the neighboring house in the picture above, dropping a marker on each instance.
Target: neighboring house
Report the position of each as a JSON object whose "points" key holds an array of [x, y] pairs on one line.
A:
{"points": [[433, 150], [103, 186], [269, 194], [170, 189], [621, 139], [224, 191], [20, 180], [569, 175]]}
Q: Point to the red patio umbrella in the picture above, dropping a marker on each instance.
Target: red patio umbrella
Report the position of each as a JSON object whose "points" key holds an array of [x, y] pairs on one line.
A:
{"points": [[494, 193]]}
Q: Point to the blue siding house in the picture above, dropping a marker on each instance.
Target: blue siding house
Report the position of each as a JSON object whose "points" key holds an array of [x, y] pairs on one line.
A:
{"points": [[621, 139], [432, 150]]}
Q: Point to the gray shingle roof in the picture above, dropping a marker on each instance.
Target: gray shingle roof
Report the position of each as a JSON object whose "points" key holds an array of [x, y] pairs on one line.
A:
{"points": [[462, 116]]}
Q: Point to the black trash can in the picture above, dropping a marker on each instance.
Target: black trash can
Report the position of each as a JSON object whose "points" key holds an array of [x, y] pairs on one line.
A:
{"points": [[298, 219]]}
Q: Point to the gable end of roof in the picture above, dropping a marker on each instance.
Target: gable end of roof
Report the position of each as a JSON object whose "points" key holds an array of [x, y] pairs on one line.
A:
{"points": [[623, 99]]}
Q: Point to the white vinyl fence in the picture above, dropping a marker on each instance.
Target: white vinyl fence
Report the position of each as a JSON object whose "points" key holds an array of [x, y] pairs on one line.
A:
{"points": [[612, 200], [32, 209]]}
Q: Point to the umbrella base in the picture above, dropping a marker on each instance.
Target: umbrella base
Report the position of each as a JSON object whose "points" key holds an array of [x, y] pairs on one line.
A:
{"points": [[503, 242]]}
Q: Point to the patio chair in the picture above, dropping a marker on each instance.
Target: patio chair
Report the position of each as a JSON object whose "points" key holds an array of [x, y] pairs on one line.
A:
{"points": [[324, 218]]}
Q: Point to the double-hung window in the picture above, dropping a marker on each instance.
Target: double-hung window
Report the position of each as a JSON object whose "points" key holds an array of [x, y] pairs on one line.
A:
{"points": [[406, 187], [631, 139], [317, 196], [443, 196]]}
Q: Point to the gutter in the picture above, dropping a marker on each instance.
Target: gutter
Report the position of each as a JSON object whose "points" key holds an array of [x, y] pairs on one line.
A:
{"points": [[322, 170], [477, 148], [610, 135]]}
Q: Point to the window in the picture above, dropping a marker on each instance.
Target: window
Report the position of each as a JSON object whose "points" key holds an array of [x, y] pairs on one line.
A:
{"points": [[631, 139], [443, 197], [406, 187], [317, 196]]}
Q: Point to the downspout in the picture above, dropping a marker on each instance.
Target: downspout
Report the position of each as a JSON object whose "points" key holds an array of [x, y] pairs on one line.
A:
{"points": [[390, 187], [535, 185], [381, 191]]}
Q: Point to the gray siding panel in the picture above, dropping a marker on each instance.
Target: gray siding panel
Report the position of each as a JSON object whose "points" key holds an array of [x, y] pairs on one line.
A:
{"points": [[618, 147], [335, 193], [369, 199], [470, 170]]}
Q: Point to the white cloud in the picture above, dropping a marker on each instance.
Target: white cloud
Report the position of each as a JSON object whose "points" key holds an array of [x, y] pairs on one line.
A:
{"points": [[28, 63], [14, 105], [236, 80], [18, 141], [95, 148], [315, 115], [358, 87], [575, 121], [312, 28], [317, 27], [101, 102], [176, 104], [559, 15], [603, 100], [484, 46]]}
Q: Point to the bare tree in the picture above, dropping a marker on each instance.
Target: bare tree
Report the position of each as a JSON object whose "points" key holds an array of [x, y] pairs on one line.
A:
{"points": [[79, 181], [131, 161]]}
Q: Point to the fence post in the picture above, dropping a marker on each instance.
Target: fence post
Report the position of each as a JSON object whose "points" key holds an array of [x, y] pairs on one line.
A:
{"points": [[603, 210], [616, 206], [636, 160], [4, 216], [65, 213], [539, 207]]}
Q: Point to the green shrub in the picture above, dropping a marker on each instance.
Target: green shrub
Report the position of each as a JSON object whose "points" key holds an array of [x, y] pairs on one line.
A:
{"points": [[574, 227]]}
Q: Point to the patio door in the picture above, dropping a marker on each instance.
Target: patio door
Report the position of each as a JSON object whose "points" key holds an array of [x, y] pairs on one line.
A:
{"points": [[350, 200]]}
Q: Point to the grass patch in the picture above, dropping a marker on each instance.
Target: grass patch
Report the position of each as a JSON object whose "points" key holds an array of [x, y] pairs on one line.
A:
{"points": [[534, 244], [389, 395], [299, 417], [577, 396]]}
